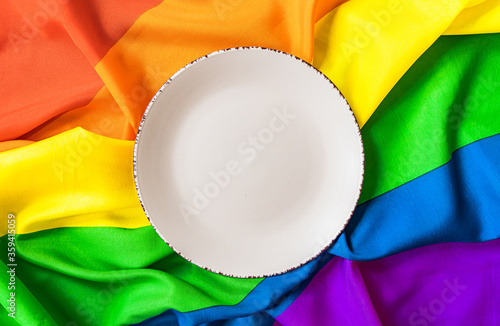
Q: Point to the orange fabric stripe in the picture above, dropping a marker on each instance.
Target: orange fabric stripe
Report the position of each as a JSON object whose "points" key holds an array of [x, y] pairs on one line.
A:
{"points": [[172, 34]]}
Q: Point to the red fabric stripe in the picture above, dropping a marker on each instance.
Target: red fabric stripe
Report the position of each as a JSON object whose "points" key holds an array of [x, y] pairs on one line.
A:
{"points": [[47, 54]]}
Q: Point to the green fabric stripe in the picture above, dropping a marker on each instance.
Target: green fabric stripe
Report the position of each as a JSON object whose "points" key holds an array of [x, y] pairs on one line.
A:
{"points": [[28, 310], [449, 98], [109, 276]]}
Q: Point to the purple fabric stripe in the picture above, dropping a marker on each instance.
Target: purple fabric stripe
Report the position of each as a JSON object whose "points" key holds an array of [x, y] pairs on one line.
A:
{"points": [[441, 284]]}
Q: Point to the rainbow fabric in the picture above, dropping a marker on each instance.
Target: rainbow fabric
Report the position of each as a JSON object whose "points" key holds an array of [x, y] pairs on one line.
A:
{"points": [[423, 78]]}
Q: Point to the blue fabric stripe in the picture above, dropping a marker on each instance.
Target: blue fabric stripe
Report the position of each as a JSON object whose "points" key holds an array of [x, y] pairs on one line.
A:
{"points": [[261, 319], [271, 297], [457, 202]]}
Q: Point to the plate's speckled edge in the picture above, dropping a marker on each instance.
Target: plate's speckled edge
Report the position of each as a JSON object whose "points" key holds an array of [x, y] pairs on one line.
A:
{"points": [[180, 71]]}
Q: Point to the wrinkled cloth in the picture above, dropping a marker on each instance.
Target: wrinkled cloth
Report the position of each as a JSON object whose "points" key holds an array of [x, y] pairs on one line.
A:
{"points": [[78, 76]]}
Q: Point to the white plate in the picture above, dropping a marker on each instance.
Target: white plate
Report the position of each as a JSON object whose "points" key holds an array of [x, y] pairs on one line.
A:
{"points": [[248, 162]]}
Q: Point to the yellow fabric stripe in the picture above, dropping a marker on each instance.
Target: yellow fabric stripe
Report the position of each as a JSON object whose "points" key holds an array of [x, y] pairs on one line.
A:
{"points": [[76, 178], [366, 46], [477, 19]]}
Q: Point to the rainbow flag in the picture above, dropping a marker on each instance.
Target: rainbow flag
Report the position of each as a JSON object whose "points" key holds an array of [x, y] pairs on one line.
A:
{"points": [[422, 77]]}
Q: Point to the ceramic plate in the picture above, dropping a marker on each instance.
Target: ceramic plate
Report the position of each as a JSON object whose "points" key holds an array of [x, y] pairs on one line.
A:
{"points": [[248, 162]]}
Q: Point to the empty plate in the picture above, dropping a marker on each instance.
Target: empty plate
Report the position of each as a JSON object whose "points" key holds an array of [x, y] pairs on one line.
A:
{"points": [[248, 162]]}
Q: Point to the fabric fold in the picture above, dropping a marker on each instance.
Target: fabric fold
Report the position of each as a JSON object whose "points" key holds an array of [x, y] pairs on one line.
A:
{"points": [[365, 47], [443, 102], [47, 70], [75, 178], [79, 76], [425, 213], [441, 284], [109, 276], [125, 92]]}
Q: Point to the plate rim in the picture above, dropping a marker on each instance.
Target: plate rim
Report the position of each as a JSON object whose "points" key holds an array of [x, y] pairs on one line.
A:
{"points": [[168, 82]]}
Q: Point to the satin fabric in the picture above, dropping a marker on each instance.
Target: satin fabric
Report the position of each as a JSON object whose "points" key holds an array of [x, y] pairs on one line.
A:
{"points": [[75, 167], [136, 67], [429, 114], [444, 101], [106, 78], [455, 202], [477, 18], [124, 95], [83, 262], [108, 276], [422, 212], [49, 48], [442, 284], [365, 47], [76, 178]]}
